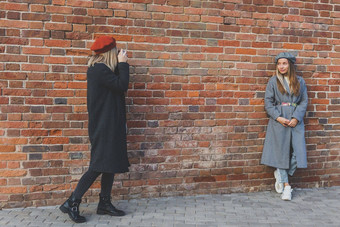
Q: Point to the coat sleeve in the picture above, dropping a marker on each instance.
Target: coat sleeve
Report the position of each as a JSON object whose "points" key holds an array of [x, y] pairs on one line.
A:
{"points": [[269, 100], [116, 81], [301, 108]]}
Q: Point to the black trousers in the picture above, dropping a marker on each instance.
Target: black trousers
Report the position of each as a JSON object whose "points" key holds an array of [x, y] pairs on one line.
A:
{"points": [[87, 180]]}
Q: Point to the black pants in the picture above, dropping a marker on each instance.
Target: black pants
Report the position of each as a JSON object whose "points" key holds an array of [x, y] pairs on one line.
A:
{"points": [[87, 180]]}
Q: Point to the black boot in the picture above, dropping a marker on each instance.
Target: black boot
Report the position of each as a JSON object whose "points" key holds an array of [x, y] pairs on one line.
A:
{"points": [[105, 207], [71, 206]]}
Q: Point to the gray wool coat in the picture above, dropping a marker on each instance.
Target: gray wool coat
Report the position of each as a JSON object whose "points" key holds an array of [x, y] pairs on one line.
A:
{"points": [[280, 139], [107, 117]]}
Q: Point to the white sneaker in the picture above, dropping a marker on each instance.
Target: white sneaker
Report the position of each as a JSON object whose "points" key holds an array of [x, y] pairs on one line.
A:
{"points": [[278, 185], [287, 193]]}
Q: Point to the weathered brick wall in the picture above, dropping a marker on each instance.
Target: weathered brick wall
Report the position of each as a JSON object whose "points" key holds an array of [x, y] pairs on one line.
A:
{"points": [[195, 104]]}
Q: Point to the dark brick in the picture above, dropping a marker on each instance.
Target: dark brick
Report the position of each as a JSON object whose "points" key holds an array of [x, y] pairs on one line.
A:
{"points": [[335, 101], [146, 146], [205, 179], [260, 94], [194, 108], [58, 52], [323, 121], [36, 148], [37, 109], [79, 11], [76, 140], [35, 33], [243, 101], [58, 68], [179, 71], [56, 148], [57, 34], [61, 101], [13, 49], [153, 124], [239, 129], [13, 15], [328, 127], [35, 156], [77, 155], [136, 154], [18, 197]]}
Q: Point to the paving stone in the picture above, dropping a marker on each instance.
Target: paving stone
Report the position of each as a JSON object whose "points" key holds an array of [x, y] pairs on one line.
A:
{"points": [[309, 207]]}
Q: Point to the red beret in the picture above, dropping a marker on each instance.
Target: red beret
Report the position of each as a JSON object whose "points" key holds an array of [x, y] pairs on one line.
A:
{"points": [[103, 44]]}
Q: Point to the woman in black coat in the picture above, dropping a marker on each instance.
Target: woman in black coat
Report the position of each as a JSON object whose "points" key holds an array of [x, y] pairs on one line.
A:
{"points": [[107, 80]]}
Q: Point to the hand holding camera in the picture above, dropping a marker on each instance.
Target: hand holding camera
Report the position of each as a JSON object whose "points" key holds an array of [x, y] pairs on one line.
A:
{"points": [[122, 56]]}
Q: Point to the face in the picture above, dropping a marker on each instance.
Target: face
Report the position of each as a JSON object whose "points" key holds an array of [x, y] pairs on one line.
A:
{"points": [[283, 65]]}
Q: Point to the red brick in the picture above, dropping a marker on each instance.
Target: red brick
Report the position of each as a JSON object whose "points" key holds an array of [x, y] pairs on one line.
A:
{"points": [[14, 6], [260, 30], [13, 156], [76, 3], [323, 47], [13, 173], [212, 19], [17, 92], [35, 67], [37, 8], [58, 26], [139, 15], [263, 2], [120, 13], [14, 109], [57, 43], [13, 190], [246, 51], [292, 46], [57, 60], [121, 5], [7, 148], [294, 18], [58, 9], [13, 58], [35, 16], [100, 12], [212, 50]]}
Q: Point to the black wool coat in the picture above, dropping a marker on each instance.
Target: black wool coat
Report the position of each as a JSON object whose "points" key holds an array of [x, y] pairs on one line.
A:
{"points": [[107, 117]]}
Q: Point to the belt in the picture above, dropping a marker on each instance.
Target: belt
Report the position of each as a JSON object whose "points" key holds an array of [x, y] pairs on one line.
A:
{"points": [[288, 104]]}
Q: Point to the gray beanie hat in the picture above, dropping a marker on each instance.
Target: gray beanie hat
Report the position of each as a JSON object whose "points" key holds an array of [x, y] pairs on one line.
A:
{"points": [[286, 55]]}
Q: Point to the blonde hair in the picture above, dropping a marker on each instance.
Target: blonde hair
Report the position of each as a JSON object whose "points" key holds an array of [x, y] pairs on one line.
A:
{"points": [[109, 58], [294, 82]]}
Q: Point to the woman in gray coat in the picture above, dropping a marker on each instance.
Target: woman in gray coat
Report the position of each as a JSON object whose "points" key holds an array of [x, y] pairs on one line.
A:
{"points": [[107, 80], [286, 103]]}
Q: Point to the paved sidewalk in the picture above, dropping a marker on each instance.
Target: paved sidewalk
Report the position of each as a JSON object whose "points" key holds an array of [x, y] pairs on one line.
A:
{"points": [[309, 207]]}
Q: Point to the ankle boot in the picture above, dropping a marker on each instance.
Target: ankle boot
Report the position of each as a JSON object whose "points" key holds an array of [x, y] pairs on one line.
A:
{"points": [[71, 206], [105, 207]]}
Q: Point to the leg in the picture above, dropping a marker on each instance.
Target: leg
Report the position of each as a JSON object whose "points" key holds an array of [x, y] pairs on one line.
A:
{"points": [[278, 180], [287, 192], [283, 175], [106, 184], [71, 206], [293, 165], [105, 206], [85, 183]]}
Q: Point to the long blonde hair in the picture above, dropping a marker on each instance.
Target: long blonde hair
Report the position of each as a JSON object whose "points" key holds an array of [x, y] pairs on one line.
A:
{"points": [[294, 82], [109, 58]]}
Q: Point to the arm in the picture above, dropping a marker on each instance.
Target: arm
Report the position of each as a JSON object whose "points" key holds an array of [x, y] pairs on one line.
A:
{"points": [[270, 102], [301, 108], [116, 82]]}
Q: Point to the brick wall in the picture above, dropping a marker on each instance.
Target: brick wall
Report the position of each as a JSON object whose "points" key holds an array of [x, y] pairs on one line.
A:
{"points": [[195, 104]]}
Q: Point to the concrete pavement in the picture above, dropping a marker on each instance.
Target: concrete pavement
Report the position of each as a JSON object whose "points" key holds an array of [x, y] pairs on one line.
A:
{"points": [[309, 207]]}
